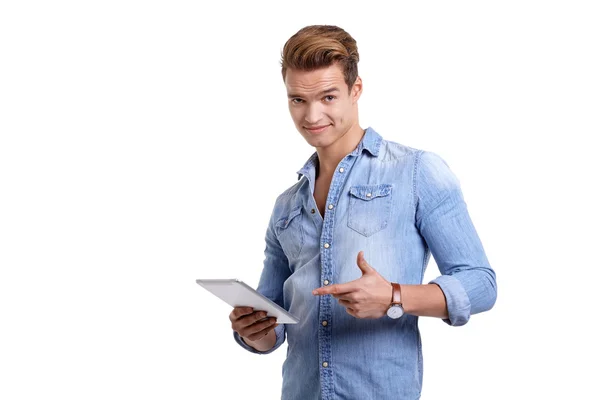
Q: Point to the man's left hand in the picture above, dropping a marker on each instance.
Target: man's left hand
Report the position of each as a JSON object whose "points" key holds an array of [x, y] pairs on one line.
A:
{"points": [[366, 297]]}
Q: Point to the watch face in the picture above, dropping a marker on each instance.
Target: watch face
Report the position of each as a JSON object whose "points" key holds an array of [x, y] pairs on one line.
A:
{"points": [[395, 311]]}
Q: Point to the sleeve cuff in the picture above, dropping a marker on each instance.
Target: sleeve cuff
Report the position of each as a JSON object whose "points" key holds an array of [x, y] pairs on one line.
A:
{"points": [[279, 334], [457, 300]]}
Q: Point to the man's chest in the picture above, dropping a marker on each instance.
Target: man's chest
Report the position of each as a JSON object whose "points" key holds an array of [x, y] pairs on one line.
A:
{"points": [[320, 193], [370, 210]]}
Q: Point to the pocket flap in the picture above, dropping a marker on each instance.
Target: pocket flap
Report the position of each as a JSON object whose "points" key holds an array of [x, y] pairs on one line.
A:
{"points": [[285, 221], [369, 192]]}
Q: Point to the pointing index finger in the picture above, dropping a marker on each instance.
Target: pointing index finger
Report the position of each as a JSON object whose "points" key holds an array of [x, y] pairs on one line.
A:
{"points": [[334, 289]]}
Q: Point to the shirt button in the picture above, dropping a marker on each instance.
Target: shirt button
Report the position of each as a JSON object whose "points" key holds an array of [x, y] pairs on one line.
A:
{"points": [[326, 282], [342, 169], [326, 245], [368, 194], [330, 206], [325, 364], [324, 323], [312, 211]]}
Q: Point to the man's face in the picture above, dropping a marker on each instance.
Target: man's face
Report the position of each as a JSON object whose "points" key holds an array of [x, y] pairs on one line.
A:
{"points": [[320, 99]]}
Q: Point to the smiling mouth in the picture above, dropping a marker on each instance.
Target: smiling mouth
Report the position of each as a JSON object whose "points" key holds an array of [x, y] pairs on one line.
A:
{"points": [[316, 129]]}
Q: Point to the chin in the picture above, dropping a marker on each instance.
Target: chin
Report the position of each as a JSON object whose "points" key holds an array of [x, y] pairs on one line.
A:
{"points": [[321, 141]]}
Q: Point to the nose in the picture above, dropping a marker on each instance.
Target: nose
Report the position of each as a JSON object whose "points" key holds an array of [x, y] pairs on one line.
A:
{"points": [[313, 113]]}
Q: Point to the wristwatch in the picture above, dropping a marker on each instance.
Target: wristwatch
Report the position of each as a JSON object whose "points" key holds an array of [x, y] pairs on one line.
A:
{"points": [[395, 309]]}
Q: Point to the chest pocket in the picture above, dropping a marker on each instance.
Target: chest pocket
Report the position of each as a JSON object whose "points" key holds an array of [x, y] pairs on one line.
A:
{"points": [[370, 207], [290, 233]]}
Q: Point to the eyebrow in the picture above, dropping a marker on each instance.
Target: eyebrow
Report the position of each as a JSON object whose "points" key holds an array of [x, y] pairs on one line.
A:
{"points": [[326, 91]]}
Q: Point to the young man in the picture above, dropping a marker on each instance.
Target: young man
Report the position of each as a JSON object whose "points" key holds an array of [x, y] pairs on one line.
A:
{"points": [[348, 244]]}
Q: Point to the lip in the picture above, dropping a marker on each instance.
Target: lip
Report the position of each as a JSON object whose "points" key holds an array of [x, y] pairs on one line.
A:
{"points": [[317, 129]]}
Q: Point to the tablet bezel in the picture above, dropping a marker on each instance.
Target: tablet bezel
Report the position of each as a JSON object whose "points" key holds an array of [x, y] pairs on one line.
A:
{"points": [[250, 297]]}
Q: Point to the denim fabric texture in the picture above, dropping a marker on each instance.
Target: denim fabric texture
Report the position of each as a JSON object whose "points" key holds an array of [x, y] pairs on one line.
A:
{"points": [[399, 205]]}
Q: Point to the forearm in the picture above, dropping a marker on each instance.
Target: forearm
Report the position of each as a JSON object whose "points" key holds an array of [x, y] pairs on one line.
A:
{"points": [[424, 300], [263, 344]]}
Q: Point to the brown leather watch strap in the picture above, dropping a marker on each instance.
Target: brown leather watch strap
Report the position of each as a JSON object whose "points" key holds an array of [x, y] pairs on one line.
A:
{"points": [[396, 294]]}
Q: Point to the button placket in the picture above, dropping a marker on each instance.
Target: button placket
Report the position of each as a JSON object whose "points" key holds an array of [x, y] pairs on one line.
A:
{"points": [[325, 302]]}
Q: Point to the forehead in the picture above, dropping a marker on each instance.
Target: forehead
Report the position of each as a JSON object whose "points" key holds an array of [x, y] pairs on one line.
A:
{"points": [[313, 82]]}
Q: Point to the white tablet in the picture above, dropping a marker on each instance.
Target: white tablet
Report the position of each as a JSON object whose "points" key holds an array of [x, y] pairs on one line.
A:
{"points": [[237, 294]]}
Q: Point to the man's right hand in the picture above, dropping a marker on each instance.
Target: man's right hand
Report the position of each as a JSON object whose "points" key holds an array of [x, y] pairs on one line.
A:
{"points": [[251, 325]]}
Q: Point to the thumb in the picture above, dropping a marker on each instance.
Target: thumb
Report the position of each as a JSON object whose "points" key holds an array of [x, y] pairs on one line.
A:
{"points": [[362, 263]]}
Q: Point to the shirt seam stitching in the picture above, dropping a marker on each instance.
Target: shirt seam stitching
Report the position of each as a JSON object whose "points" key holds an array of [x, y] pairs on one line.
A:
{"points": [[415, 174]]}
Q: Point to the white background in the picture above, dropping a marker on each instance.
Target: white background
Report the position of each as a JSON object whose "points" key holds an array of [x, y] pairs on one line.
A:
{"points": [[143, 145]]}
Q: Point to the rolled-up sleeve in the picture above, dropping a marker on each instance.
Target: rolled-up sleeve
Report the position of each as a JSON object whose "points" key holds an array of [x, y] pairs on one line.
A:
{"points": [[467, 281], [275, 271]]}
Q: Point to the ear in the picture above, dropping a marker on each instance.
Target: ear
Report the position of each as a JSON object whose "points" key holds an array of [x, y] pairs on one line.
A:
{"points": [[356, 89]]}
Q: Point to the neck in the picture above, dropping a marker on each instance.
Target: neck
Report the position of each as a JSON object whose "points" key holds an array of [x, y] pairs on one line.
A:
{"points": [[330, 156]]}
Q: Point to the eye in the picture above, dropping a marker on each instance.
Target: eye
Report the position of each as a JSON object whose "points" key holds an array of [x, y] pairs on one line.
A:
{"points": [[332, 97], [298, 100]]}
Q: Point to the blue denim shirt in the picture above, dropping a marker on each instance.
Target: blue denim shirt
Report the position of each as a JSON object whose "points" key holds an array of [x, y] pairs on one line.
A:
{"points": [[399, 205]]}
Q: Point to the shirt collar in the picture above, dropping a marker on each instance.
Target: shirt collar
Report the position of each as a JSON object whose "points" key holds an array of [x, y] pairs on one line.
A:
{"points": [[371, 141]]}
